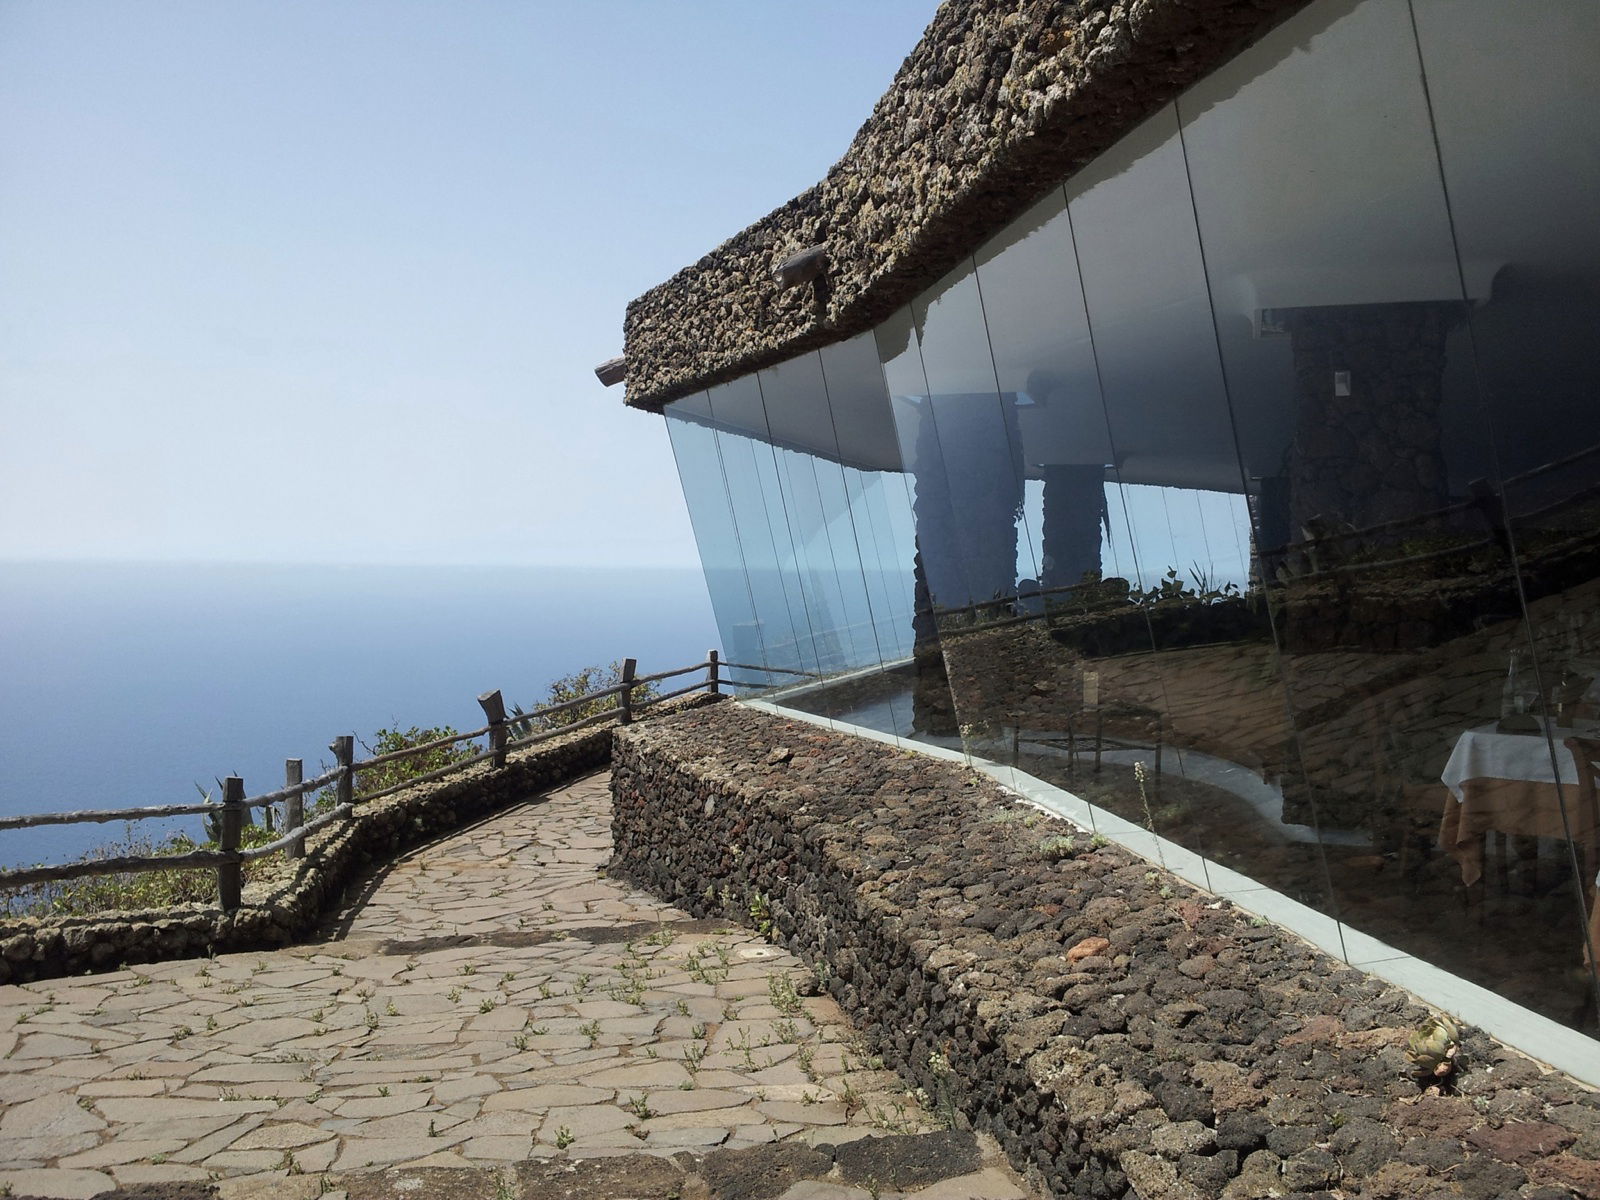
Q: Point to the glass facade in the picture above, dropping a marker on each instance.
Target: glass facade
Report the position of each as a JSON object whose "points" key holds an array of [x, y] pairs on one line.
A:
{"points": [[1246, 487]]}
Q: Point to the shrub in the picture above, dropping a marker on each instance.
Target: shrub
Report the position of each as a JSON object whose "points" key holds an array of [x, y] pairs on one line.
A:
{"points": [[1054, 849], [125, 891], [159, 889], [574, 687], [98, 893], [387, 741]]}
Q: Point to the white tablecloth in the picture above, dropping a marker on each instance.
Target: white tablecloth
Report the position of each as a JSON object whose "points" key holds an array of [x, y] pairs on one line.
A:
{"points": [[1484, 753]]}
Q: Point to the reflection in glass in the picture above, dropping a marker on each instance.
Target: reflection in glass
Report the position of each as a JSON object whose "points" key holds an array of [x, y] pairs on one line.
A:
{"points": [[1038, 333], [1247, 486], [874, 488], [1163, 635], [969, 486], [932, 516], [1523, 195], [1344, 309]]}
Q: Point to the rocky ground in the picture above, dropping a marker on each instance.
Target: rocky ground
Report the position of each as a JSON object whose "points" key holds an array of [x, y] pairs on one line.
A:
{"points": [[490, 1017]]}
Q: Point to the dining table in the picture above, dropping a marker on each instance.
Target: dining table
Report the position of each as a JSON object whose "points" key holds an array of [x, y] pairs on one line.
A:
{"points": [[1519, 783]]}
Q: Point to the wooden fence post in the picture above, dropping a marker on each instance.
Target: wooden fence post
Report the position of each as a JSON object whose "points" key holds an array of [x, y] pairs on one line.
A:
{"points": [[713, 680], [230, 875], [344, 752], [494, 708], [630, 667], [295, 809]]}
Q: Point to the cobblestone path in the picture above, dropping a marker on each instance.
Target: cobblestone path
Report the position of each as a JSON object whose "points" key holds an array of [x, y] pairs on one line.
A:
{"points": [[487, 1000]]}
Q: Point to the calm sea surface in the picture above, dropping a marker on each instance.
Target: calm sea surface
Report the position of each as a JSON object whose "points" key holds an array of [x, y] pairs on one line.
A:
{"points": [[127, 685]]}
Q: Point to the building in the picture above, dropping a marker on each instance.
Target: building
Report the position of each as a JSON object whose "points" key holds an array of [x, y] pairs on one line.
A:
{"points": [[1188, 411]]}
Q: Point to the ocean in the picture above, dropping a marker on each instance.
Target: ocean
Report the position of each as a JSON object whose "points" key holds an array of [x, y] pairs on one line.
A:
{"points": [[131, 684]]}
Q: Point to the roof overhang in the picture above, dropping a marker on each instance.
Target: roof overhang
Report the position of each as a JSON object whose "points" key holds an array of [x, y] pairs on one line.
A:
{"points": [[998, 102]]}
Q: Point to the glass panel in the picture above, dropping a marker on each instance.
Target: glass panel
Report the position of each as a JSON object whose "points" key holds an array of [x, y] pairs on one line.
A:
{"points": [[1038, 334], [888, 550], [758, 513], [796, 400], [1523, 181], [1247, 486], [873, 482], [1173, 644], [1331, 277], [936, 579], [876, 493], [886, 559], [979, 491], [944, 575], [976, 427], [1341, 310], [860, 636], [1044, 367], [694, 446]]}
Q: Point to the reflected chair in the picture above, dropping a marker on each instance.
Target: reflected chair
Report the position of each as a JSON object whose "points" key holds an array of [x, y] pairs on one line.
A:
{"points": [[1094, 716], [1084, 731], [1408, 801]]}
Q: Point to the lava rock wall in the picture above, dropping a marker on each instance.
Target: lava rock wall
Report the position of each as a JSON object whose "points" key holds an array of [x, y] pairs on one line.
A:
{"points": [[1118, 1031]]}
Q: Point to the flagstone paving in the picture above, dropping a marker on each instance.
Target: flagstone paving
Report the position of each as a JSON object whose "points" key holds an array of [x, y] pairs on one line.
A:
{"points": [[487, 1000]]}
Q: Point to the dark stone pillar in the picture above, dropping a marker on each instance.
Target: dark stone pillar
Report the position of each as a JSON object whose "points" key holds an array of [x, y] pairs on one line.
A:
{"points": [[968, 491], [1374, 454], [933, 708], [968, 494], [1074, 515], [1271, 531]]}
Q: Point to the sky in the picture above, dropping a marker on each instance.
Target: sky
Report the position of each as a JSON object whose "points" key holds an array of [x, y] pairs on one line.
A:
{"points": [[325, 280]]}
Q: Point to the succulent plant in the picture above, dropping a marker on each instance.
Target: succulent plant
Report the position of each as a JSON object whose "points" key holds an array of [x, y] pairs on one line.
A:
{"points": [[213, 820], [1435, 1046]]}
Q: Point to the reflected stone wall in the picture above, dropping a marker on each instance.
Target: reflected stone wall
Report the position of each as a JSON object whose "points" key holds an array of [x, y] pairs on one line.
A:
{"points": [[1368, 431]]}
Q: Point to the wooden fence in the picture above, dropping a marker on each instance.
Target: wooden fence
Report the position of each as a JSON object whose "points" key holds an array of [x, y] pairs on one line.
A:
{"points": [[229, 856]]}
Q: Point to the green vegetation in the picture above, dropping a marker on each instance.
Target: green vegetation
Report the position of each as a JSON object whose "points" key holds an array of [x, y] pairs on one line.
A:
{"points": [[573, 687], [760, 909], [1054, 849], [160, 889], [99, 893], [388, 741], [125, 891]]}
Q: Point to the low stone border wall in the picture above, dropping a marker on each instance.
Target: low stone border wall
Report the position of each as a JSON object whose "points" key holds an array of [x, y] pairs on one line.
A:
{"points": [[287, 898], [1118, 1031]]}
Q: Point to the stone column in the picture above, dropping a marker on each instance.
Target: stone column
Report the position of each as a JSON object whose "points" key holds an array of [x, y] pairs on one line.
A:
{"points": [[968, 493], [933, 708], [1074, 515]]}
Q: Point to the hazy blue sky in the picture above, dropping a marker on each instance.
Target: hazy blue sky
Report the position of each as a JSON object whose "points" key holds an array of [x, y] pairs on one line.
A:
{"points": [[324, 280]]}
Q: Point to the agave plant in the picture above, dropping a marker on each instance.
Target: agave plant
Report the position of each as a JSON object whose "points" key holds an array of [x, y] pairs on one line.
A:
{"points": [[213, 820], [1435, 1046]]}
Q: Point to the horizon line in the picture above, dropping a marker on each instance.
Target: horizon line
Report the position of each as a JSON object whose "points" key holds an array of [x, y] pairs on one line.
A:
{"points": [[34, 560]]}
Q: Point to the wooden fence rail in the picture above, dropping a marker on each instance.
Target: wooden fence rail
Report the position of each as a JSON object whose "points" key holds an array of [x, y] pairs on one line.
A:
{"points": [[230, 855]]}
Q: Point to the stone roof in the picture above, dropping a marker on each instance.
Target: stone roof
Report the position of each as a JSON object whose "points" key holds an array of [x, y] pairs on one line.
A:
{"points": [[999, 101]]}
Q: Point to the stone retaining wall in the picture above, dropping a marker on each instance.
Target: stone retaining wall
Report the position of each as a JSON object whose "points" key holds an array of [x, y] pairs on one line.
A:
{"points": [[1116, 1030], [287, 898]]}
